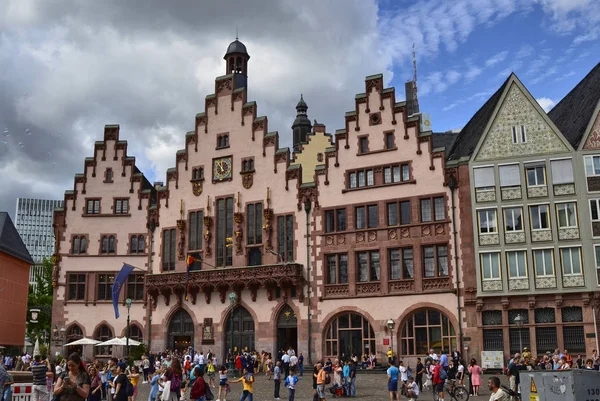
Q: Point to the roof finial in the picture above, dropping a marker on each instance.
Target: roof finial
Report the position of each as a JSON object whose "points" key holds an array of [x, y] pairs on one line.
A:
{"points": [[301, 97], [236, 33]]}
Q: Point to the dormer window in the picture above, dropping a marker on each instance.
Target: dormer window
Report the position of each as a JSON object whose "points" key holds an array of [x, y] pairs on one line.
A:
{"points": [[519, 134], [222, 141]]}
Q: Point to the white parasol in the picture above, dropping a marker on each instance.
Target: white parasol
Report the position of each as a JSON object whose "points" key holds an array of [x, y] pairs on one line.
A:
{"points": [[83, 341], [36, 348], [119, 341]]}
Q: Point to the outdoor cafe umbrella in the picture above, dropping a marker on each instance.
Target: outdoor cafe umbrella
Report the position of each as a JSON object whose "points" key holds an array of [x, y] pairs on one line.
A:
{"points": [[119, 341], [36, 348], [82, 341]]}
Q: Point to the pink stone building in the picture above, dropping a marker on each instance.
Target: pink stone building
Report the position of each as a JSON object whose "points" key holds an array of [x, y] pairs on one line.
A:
{"points": [[319, 248]]}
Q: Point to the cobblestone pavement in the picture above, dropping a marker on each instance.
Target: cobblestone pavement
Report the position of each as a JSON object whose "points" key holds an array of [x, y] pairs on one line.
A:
{"points": [[368, 387]]}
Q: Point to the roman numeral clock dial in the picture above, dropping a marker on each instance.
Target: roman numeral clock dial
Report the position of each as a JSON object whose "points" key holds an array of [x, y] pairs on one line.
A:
{"points": [[222, 169]]}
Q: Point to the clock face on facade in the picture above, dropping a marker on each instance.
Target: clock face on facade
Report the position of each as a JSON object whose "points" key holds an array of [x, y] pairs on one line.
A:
{"points": [[222, 169]]}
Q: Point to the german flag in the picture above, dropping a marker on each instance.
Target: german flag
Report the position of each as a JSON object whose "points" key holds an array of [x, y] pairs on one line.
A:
{"points": [[189, 262]]}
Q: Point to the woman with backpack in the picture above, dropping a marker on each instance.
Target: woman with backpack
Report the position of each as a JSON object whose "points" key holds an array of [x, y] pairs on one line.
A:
{"points": [[176, 380], [198, 392]]}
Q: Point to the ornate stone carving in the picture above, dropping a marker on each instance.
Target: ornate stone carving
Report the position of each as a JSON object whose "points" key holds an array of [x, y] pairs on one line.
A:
{"points": [[341, 239], [593, 140], [223, 84], [568, 233], [267, 227], [541, 138], [573, 281], [181, 243], [564, 189], [207, 220], [537, 192], [425, 231], [518, 284], [392, 234], [432, 284], [360, 237], [489, 239], [329, 240], [405, 233], [197, 188], [332, 291], [401, 286], [247, 180], [545, 282], [440, 229], [541, 235], [368, 288], [491, 285], [372, 236], [509, 193], [485, 196], [238, 218], [514, 237]]}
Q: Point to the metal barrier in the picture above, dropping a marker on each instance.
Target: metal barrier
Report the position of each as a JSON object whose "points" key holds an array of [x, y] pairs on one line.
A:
{"points": [[21, 391]]}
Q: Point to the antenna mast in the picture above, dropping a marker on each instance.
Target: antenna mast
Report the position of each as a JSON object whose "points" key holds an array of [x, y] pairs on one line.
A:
{"points": [[414, 64]]}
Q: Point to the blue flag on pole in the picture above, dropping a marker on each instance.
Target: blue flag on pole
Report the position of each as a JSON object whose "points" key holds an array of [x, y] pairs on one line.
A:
{"points": [[118, 284]]}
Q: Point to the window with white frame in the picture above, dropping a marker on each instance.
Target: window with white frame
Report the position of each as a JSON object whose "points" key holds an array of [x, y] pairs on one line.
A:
{"points": [[519, 134], [513, 219], [543, 259], [510, 175], [517, 264], [536, 176], [592, 165], [490, 265], [487, 221], [595, 209], [484, 178], [540, 220], [571, 261], [562, 171], [567, 214]]}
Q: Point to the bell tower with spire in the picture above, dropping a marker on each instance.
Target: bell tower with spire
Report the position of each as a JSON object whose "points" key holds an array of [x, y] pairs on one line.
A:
{"points": [[236, 61], [302, 125]]}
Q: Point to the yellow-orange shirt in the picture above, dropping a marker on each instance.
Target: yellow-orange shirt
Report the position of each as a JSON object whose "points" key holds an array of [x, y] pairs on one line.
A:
{"points": [[248, 383]]}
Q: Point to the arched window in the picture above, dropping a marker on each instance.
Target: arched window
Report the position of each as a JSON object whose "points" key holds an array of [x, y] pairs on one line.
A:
{"points": [[103, 333], [76, 245], [83, 246], [141, 244], [135, 333], [133, 245], [424, 330], [348, 334], [104, 249], [74, 333]]}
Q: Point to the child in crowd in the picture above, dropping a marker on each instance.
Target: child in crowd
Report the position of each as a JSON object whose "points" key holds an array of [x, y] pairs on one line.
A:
{"points": [[290, 383]]}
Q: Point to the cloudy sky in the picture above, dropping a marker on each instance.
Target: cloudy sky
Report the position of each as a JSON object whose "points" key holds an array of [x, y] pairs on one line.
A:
{"points": [[68, 67]]}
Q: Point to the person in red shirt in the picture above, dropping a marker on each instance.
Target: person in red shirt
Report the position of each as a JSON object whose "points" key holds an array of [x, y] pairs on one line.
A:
{"points": [[198, 392], [438, 382]]}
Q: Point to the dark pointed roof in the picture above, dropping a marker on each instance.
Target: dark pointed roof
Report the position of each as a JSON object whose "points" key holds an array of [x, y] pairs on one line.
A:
{"points": [[10, 240], [468, 138], [573, 113], [444, 140], [301, 103], [236, 47]]}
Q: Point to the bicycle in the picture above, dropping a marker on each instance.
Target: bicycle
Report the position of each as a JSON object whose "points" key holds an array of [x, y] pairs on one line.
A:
{"points": [[455, 391], [515, 396]]}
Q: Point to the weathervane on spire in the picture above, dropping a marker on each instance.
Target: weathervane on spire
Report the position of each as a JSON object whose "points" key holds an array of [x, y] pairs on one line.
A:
{"points": [[414, 63], [236, 34]]}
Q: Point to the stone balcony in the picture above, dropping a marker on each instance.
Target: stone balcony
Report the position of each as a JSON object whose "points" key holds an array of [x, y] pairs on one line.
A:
{"points": [[223, 280]]}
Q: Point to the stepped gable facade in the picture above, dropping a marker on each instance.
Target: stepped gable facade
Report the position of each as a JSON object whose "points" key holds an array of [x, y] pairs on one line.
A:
{"points": [[383, 239], [103, 223]]}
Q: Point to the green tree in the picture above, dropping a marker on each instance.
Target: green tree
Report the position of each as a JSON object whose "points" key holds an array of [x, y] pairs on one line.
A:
{"points": [[40, 297]]}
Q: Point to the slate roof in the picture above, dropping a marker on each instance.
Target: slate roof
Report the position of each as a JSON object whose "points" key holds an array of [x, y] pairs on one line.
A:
{"points": [[468, 138], [573, 113], [10, 240], [444, 140]]}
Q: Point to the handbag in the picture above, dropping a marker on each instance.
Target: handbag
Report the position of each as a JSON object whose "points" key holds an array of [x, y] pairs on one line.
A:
{"points": [[208, 395]]}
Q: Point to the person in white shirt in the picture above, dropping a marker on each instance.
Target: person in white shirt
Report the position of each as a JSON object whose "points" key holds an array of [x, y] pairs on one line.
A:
{"points": [[433, 355], [460, 372], [286, 364], [412, 390], [293, 361], [403, 372], [497, 394]]}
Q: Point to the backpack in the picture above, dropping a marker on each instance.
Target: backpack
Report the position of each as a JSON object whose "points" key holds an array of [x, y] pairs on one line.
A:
{"points": [[327, 378], [208, 395], [442, 374]]}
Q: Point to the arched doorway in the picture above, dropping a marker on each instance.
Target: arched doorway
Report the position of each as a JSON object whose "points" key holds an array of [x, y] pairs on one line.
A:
{"points": [[287, 329], [348, 334], [239, 330], [427, 329], [181, 331], [74, 333]]}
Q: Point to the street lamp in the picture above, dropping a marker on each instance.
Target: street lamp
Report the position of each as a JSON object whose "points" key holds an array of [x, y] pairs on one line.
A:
{"points": [[128, 304], [390, 324], [232, 301], [519, 322]]}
